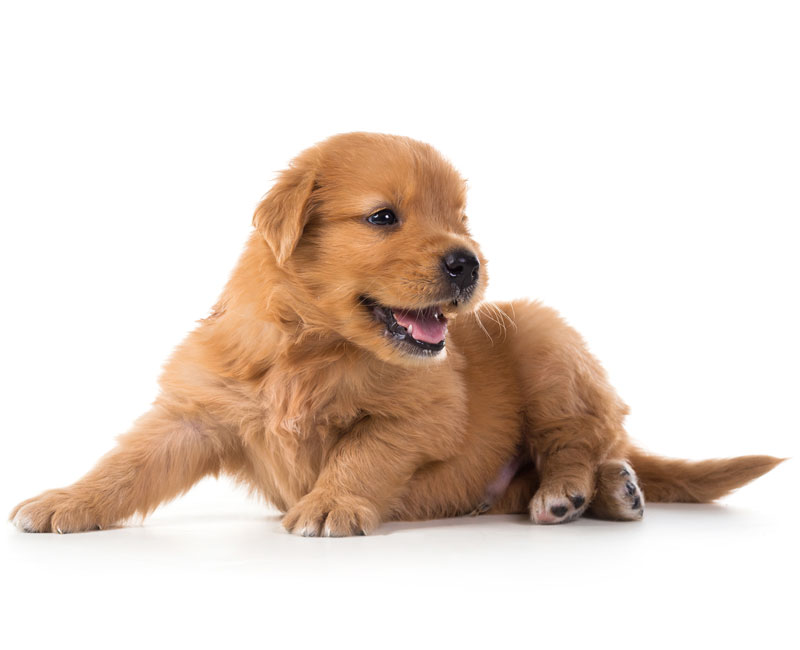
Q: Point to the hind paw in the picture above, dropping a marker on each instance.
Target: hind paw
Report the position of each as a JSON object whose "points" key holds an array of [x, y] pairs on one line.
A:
{"points": [[557, 504], [618, 495]]}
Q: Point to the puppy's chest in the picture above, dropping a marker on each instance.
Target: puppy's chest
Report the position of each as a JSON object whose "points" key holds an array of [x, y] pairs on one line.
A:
{"points": [[307, 411], [312, 403]]}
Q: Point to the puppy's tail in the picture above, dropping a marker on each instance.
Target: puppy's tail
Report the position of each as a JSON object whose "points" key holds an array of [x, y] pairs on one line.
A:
{"points": [[702, 481]]}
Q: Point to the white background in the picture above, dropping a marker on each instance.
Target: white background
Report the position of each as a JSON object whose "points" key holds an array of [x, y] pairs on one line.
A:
{"points": [[633, 164]]}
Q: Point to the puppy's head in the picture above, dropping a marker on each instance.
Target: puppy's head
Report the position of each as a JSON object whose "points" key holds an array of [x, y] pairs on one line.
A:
{"points": [[369, 232]]}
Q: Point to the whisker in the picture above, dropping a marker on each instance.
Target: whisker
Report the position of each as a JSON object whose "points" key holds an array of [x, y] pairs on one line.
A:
{"points": [[503, 316], [476, 314], [497, 322]]}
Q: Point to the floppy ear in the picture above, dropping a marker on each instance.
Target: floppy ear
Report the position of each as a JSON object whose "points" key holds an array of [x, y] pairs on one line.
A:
{"points": [[282, 215]]}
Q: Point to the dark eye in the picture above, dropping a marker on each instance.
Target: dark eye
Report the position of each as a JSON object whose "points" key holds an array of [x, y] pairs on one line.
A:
{"points": [[383, 217]]}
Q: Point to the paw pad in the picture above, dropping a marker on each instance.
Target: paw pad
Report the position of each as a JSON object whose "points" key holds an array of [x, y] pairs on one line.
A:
{"points": [[618, 493], [577, 501], [556, 506]]}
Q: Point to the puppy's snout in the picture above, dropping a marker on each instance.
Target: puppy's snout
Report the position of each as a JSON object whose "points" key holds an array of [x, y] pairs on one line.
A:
{"points": [[461, 268]]}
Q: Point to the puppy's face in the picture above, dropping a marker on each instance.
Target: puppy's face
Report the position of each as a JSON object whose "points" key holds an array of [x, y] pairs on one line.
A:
{"points": [[372, 229]]}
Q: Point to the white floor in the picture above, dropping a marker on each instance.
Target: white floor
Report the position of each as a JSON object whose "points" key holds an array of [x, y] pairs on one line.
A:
{"points": [[215, 567]]}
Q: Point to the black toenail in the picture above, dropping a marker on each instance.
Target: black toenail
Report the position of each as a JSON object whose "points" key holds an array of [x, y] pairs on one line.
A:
{"points": [[559, 511], [630, 487], [578, 500], [636, 503]]}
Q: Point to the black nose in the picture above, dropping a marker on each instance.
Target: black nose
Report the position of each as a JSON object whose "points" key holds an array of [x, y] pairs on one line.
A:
{"points": [[461, 268]]}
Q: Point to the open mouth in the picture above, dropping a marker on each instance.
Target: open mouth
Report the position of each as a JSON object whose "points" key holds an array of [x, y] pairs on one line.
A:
{"points": [[420, 330]]}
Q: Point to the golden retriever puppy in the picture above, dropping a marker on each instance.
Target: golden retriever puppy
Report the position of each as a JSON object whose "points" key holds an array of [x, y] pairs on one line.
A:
{"points": [[351, 375]]}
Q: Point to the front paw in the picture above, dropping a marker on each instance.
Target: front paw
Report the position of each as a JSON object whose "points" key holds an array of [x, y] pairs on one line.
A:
{"points": [[320, 514], [54, 511]]}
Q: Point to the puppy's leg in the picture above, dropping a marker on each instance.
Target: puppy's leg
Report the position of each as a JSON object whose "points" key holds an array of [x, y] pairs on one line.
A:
{"points": [[573, 416], [618, 494], [361, 476], [566, 482], [160, 458]]}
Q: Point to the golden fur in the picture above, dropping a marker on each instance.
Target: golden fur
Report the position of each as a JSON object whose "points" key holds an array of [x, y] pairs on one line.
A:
{"points": [[293, 387]]}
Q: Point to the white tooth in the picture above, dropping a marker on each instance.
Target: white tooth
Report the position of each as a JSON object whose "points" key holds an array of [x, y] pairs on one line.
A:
{"points": [[411, 328]]}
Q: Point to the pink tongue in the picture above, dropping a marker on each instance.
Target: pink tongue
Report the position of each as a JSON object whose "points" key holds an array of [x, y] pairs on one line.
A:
{"points": [[426, 327]]}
